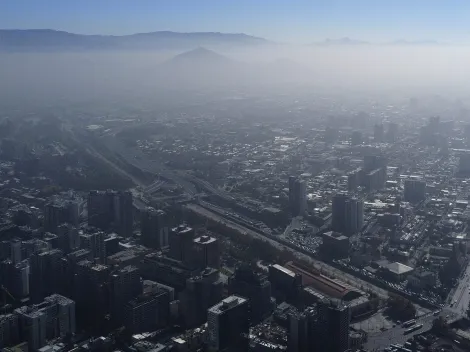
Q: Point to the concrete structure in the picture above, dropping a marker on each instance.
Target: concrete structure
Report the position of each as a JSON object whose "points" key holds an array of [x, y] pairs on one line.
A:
{"points": [[415, 190], [347, 214], [335, 245], [181, 243], [297, 196], [154, 228], [206, 252], [228, 324]]}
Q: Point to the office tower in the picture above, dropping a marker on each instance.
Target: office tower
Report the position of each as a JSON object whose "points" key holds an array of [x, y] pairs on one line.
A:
{"points": [[354, 179], [299, 336], [125, 219], [347, 214], [201, 292], [333, 319], [285, 284], [111, 210], [125, 285], [378, 133], [415, 190], [34, 245], [181, 243], [69, 239], [93, 242], [253, 286], [392, 132], [15, 278], [45, 269], [373, 162], [50, 319], [154, 228], [33, 326], [147, 312], [297, 196], [206, 252], [335, 245], [11, 250], [228, 324], [9, 330], [101, 209], [90, 292], [110, 246], [59, 212], [464, 165], [169, 271], [60, 312], [356, 138]]}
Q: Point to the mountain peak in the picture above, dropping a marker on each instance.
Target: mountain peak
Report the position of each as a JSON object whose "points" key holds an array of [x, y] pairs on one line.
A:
{"points": [[200, 55]]}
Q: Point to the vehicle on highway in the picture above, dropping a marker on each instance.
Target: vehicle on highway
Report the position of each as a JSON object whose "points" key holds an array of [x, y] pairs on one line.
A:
{"points": [[436, 313], [413, 328]]}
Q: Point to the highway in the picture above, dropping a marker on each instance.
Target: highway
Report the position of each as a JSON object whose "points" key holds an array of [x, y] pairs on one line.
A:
{"points": [[322, 267], [459, 300]]}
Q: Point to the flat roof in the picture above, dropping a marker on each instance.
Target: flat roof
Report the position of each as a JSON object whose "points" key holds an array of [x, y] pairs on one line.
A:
{"points": [[399, 268], [284, 270], [227, 303]]}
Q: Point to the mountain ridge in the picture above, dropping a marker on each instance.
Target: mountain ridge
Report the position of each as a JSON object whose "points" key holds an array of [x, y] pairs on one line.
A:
{"points": [[50, 39]]}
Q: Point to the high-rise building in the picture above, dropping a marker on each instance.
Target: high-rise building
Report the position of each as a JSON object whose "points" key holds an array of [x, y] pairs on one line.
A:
{"points": [[125, 218], [464, 165], [58, 212], [111, 210], [52, 318], [90, 291], [347, 214], [125, 285], [392, 132], [69, 239], [297, 196], [415, 190], [333, 319], [9, 330], [154, 228], [301, 326], [93, 242], [228, 324], [378, 133], [255, 287], [335, 245], [110, 246], [15, 278], [33, 326], [181, 243], [206, 252], [147, 312], [201, 292], [45, 274]]}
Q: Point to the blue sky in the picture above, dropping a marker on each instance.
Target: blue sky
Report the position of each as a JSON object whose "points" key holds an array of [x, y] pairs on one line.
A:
{"points": [[281, 20]]}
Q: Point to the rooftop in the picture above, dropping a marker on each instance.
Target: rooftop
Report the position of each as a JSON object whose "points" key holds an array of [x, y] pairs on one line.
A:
{"points": [[227, 303], [399, 268]]}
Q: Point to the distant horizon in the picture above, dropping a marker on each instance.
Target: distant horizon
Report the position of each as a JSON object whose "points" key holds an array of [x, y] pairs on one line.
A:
{"points": [[296, 21], [318, 41]]}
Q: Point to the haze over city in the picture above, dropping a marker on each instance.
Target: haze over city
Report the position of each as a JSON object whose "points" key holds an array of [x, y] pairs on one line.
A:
{"points": [[286, 176]]}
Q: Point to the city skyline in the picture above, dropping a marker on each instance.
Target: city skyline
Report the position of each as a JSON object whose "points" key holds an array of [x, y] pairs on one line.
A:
{"points": [[297, 21]]}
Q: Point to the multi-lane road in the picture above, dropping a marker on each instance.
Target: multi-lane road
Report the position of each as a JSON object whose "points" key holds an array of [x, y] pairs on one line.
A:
{"points": [[459, 300]]}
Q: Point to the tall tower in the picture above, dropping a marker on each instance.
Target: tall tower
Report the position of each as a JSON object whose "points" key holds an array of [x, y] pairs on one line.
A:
{"points": [[333, 319], [297, 196], [181, 243], [228, 324], [347, 214], [154, 228]]}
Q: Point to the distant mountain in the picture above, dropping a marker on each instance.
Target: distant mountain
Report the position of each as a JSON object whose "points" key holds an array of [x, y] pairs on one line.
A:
{"points": [[416, 42], [51, 40], [342, 41], [200, 56]]}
